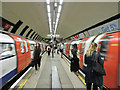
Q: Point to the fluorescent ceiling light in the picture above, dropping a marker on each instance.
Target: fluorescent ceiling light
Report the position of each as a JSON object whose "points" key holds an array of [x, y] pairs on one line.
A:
{"points": [[49, 15], [48, 8], [49, 35], [59, 8], [55, 4], [57, 20], [49, 19], [61, 1], [58, 15], [48, 1], [57, 35]]}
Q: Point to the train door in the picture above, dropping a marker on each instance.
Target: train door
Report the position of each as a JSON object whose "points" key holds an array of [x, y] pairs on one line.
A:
{"points": [[70, 53], [27, 51], [69, 49], [81, 51]]}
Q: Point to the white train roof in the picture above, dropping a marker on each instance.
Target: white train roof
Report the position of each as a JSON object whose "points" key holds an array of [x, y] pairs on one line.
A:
{"points": [[31, 42], [77, 42], [98, 38], [4, 38]]}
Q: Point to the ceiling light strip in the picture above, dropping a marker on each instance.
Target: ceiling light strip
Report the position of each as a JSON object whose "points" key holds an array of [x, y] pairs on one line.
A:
{"points": [[48, 1], [48, 8], [61, 2]]}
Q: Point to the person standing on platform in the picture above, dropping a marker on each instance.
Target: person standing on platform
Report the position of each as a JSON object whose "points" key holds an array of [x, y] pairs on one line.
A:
{"points": [[37, 56], [91, 76], [74, 60], [48, 50], [58, 48], [61, 49]]}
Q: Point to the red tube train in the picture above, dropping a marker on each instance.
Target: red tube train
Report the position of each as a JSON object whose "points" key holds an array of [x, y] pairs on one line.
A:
{"points": [[15, 54], [109, 48]]}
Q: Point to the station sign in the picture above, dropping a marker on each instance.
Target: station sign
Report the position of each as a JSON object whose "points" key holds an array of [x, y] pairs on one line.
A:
{"points": [[78, 36], [110, 26], [107, 27]]}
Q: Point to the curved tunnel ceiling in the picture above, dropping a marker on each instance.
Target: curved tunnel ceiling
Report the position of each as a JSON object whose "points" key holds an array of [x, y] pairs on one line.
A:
{"points": [[75, 16]]}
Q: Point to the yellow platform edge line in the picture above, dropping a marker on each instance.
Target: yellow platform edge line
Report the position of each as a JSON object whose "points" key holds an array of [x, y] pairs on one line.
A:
{"points": [[24, 82]]}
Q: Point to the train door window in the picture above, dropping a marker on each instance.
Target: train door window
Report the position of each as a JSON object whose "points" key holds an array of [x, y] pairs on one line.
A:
{"points": [[32, 46], [104, 46], [7, 50], [82, 47], [67, 46], [26, 46], [21, 45]]}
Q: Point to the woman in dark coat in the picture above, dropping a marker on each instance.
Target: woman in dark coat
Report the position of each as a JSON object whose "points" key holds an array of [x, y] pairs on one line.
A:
{"points": [[36, 56], [74, 60], [92, 77]]}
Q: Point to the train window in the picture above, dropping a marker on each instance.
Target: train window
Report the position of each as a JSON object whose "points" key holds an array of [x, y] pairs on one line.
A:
{"points": [[82, 47], [21, 45], [104, 46], [26, 46], [7, 50], [32, 46], [67, 46]]}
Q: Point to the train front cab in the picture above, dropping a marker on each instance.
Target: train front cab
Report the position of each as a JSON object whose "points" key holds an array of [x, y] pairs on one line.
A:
{"points": [[109, 52], [8, 61]]}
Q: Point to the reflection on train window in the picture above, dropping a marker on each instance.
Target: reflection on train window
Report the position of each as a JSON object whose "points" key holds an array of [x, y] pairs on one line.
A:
{"points": [[82, 47], [6, 50], [21, 45], [26, 46], [67, 46], [104, 46], [41, 47], [32, 46]]}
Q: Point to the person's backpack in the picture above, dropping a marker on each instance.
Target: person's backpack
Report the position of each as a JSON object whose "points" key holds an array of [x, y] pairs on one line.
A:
{"points": [[97, 67]]}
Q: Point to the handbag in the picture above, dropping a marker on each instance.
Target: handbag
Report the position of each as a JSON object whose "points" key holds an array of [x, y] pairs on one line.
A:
{"points": [[32, 63], [97, 67]]}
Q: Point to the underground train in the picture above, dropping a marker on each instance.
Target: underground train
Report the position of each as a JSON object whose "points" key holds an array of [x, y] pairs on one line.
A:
{"points": [[109, 48], [15, 54]]}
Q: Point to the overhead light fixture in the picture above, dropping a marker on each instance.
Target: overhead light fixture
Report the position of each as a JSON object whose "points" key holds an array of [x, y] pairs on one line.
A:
{"points": [[48, 1], [57, 20], [55, 4], [58, 15], [57, 35], [49, 19], [48, 8], [61, 2], [49, 16], [59, 8]]}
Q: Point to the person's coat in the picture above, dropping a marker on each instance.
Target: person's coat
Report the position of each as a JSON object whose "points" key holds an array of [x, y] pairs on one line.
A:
{"points": [[92, 77], [74, 61], [36, 55]]}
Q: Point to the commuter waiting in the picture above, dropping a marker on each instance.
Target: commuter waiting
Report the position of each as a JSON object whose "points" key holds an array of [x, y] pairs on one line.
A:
{"points": [[37, 56], [74, 60], [7, 52], [61, 49], [48, 50], [91, 76]]}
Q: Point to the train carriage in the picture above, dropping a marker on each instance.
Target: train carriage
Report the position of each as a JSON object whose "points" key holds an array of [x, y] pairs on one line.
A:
{"points": [[8, 57]]}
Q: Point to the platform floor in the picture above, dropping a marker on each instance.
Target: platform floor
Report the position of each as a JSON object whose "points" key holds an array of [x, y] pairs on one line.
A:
{"points": [[43, 78]]}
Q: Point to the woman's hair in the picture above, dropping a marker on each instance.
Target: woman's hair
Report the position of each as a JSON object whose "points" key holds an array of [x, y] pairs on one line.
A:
{"points": [[38, 45], [91, 49], [75, 46]]}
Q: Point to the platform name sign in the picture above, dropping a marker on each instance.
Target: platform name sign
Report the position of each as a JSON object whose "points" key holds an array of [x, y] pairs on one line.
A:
{"points": [[110, 26], [78, 36]]}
